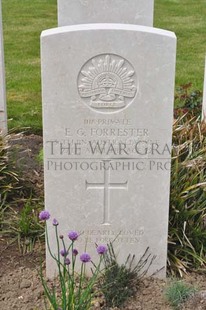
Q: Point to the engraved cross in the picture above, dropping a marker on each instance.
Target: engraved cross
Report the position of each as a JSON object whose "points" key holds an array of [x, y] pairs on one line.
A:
{"points": [[106, 186]]}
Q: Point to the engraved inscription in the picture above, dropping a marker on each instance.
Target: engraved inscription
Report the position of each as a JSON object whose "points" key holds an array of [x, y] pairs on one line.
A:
{"points": [[125, 236], [107, 83], [106, 186]]}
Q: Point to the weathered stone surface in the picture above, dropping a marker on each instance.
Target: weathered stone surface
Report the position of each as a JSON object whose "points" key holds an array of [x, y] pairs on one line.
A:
{"points": [[108, 111], [72, 12]]}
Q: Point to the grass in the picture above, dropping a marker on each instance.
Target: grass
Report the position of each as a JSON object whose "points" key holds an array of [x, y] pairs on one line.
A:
{"points": [[23, 21], [22, 225], [187, 234], [119, 282], [187, 19], [178, 292]]}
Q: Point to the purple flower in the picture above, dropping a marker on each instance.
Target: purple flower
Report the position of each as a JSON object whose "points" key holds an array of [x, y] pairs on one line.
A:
{"points": [[67, 261], [55, 222], [101, 249], [44, 215], [75, 252], [85, 258], [64, 252], [73, 235]]}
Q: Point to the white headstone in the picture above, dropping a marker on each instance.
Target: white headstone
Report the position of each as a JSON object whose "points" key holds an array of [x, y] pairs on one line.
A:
{"points": [[72, 12], [108, 109], [204, 97], [3, 112]]}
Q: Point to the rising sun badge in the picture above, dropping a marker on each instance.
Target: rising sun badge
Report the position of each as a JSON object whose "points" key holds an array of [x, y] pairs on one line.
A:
{"points": [[107, 83]]}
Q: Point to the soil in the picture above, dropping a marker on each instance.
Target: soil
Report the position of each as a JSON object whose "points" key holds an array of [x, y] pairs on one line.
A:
{"points": [[20, 284]]}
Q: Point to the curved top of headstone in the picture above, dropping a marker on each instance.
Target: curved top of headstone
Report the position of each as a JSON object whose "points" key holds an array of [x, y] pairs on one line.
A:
{"points": [[73, 12]]}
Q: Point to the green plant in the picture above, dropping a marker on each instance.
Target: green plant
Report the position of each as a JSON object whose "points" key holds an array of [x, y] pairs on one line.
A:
{"points": [[18, 215], [28, 227], [178, 292], [9, 180], [120, 281], [72, 296], [40, 156], [187, 233], [23, 225], [188, 101]]}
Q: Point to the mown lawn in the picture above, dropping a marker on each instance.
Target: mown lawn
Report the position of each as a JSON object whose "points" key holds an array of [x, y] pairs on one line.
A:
{"points": [[187, 18], [23, 21]]}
